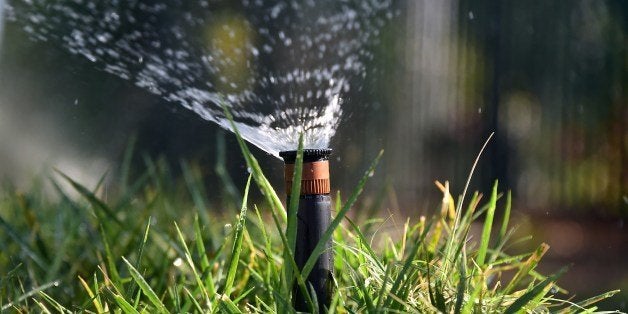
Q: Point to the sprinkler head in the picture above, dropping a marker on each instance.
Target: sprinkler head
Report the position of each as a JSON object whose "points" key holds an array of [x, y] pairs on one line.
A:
{"points": [[315, 174], [313, 219]]}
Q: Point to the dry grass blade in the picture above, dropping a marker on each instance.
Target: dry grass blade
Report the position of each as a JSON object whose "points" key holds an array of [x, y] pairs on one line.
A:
{"points": [[530, 298], [527, 267]]}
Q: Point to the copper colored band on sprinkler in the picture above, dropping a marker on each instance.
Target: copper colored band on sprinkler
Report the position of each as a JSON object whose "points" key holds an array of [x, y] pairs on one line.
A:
{"points": [[314, 178]]}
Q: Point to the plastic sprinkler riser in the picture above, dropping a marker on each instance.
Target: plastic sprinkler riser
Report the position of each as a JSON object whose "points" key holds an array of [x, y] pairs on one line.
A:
{"points": [[313, 219]]}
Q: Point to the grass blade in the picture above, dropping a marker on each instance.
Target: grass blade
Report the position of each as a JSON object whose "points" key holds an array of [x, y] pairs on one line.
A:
{"points": [[320, 246], [111, 263], [237, 243], [380, 294], [92, 295], [200, 246], [458, 219], [300, 281], [527, 267], [42, 307], [365, 244], [28, 294], [229, 187], [202, 253], [198, 307], [197, 278], [505, 220], [141, 251], [125, 306], [243, 295], [4, 225], [269, 193], [478, 284], [408, 263], [146, 289], [461, 283], [293, 207], [60, 308], [533, 294], [195, 187], [583, 304], [366, 296], [91, 198], [227, 306], [488, 224]]}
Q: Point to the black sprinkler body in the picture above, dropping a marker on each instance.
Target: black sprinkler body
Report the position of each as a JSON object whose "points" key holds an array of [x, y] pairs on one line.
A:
{"points": [[313, 219]]}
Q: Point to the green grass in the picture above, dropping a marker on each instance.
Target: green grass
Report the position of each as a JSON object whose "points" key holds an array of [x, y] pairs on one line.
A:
{"points": [[153, 245]]}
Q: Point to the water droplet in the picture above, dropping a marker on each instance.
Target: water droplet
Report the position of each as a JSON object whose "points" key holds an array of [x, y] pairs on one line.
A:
{"points": [[480, 110], [76, 101], [178, 262], [249, 170], [103, 38], [471, 16], [274, 13], [89, 56]]}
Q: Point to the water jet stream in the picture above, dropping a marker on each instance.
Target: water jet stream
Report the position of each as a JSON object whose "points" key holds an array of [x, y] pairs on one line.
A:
{"points": [[280, 67]]}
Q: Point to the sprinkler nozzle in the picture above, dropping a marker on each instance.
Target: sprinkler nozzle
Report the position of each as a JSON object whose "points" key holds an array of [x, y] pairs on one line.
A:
{"points": [[315, 174]]}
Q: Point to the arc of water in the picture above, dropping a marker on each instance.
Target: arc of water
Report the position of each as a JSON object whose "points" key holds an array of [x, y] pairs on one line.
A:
{"points": [[280, 75]]}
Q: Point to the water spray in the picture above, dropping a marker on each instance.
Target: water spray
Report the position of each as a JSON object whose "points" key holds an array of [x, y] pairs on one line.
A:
{"points": [[207, 58], [313, 219]]}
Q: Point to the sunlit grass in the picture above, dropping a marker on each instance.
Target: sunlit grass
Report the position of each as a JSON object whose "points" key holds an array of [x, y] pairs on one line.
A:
{"points": [[155, 246]]}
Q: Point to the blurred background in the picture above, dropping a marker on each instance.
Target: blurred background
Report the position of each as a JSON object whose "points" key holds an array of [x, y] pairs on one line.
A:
{"points": [[550, 78]]}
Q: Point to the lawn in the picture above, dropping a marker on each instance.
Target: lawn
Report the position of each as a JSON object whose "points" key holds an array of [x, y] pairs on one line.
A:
{"points": [[152, 244]]}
